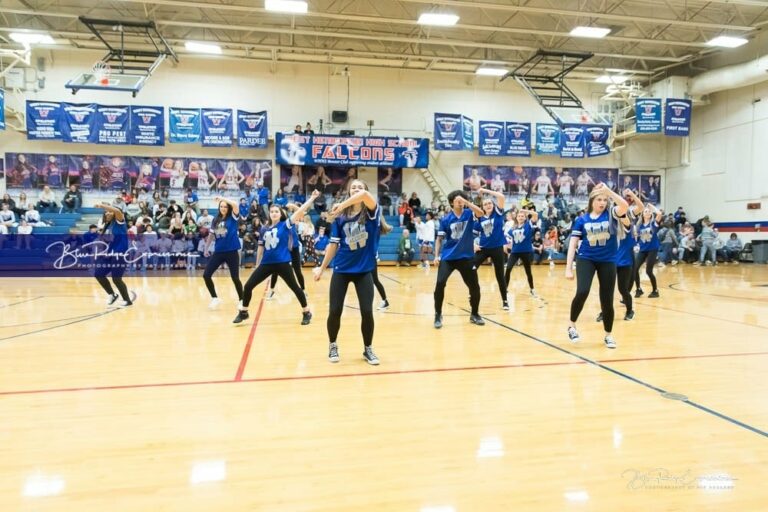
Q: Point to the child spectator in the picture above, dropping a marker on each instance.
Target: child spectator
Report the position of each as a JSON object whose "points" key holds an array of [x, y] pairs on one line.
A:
{"points": [[321, 243], [405, 249]]}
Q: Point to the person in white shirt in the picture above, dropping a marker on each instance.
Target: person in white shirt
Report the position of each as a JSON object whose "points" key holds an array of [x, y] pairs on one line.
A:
{"points": [[32, 216], [24, 235], [47, 200], [7, 217], [425, 235], [205, 220]]}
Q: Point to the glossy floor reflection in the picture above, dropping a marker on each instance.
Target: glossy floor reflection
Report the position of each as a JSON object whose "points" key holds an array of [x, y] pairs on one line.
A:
{"points": [[167, 406]]}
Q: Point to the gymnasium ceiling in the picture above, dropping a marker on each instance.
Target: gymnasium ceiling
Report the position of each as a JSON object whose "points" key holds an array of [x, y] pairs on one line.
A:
{"points": [[648, 37]]}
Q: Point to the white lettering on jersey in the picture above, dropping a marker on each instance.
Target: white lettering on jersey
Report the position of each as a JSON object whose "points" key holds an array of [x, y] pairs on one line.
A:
{"points": [[646, 235], [458, 229], [355, 235], [487, 226], [270, 239], [518, 235], [598, 233]]}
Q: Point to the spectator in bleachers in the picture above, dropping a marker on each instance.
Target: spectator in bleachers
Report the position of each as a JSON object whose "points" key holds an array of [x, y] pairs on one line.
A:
{"points": [[668, 241], [165, 196], [308, 130], [386, 204], [280, 199], [249, 249], [22, 205], [255, 227], [320, 204], [8, 201], [405, 250], [7, 217], [24, 235], [323, 220], [686, 251], [3, 235], [405, 212], [415, 203], [538, 248], [320, 244], [707, 237], [732, 250], [72, 200], [47, 201], [205, 219], [32, 216], [144, 196], [190, 223], [263, 194], [176, 226], [190, 199], [526, 203], [298, 129], [155, 200], [132, 210], [174, 208], [164, 248], [127, 196]]}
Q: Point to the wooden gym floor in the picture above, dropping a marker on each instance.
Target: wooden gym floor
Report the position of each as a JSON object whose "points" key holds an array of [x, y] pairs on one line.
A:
{"points": [[167, 406]]}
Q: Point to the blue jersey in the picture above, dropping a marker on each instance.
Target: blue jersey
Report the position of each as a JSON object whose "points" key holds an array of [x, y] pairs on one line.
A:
{"points": [[117, 235], [625, 255], [491, 228], [358, 242], [598, 237], [226, 235], [649, 239], [277, 241], [458, 239], [522, 237], [321, 242]]}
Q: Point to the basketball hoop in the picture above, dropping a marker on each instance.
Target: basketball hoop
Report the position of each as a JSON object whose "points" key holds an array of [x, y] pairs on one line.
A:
{"points": [[102, 71]]}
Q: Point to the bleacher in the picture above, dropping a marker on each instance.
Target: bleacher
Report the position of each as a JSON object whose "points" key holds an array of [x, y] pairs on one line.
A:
{"points": [[61, 224]]}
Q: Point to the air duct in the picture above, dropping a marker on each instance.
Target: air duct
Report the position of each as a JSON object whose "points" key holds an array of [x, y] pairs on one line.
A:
{"points": [[729, 77]]}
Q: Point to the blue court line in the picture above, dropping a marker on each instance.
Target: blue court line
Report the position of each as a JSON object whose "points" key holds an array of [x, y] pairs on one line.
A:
{"points": [[624, 375]]}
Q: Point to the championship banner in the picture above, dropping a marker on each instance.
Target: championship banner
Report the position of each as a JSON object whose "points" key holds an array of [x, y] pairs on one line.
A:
{"points": [[677, 118], [147, 126], [43, 120], [596, 139], [449, 132], [572, 141], [491, 138], [648, 115], [217, 127], [112, 124], [78, 122], [184, 125], [468, 133], [518, 139], [547, 139], [300, 149], [252, 129], [2, 109]]}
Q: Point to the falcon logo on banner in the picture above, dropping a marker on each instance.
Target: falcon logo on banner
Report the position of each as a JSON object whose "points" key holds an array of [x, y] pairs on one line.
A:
{"points": [[518, 139], [78, 123], [677, 118], [491, 142], [572, 141], [252, 129], [184, 125], [148, 126], [449, 132], [548, 139], [43, 120], [112, 125], [217, 127], [597, 140], [647, 115], [2, 109], [468, 133]]}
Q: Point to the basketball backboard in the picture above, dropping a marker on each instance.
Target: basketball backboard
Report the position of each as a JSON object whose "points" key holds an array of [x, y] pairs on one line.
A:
{"points": [[115, 82]]}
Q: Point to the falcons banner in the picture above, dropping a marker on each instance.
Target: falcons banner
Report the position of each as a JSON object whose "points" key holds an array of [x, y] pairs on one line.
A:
{"points": [[334, 150], [78, 122], [147, 126], [184, 125], [596, 140], [217, 127], [252, 129], [112, 124], [677, 118]]}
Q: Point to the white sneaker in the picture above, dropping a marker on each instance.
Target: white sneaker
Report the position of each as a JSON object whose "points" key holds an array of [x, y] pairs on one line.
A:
{"points": [[270, 295], [112, 299], [384, 305], [215, 302], [610, 342], [573, 335], [132, 295]]}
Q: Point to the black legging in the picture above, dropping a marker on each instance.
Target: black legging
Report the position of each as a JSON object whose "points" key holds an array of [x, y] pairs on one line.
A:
{"points": [[649, 258], [115, 266], [232, 259], [526, 258], [263, 271], [377, 283], [338, 290], [296, 264], [497, 258], [624, 277], [468, 273], [606, 275]]}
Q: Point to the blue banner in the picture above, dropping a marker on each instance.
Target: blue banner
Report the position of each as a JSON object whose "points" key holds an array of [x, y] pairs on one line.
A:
{"points": [[112, 124], [491, 141], [43, 120], [548, 139], [448, 132], [2, 109], [252, 129], [147, 126], [184, 125], [468, 133], [78, 122], [596, 139], [300, 149], [518, 139], [677, 118], [572, 141], [648, 115], [217, 127]]}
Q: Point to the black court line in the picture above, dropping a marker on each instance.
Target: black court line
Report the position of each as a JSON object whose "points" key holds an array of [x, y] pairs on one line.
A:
{"points": [[91, 317], [48, 321], [626, 376], [751, 299], [709, 317], [385, 276], [21, 302]]}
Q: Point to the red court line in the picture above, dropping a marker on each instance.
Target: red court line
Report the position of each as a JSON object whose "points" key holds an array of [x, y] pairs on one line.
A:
{"points": [[247, 350], [366, 374]]}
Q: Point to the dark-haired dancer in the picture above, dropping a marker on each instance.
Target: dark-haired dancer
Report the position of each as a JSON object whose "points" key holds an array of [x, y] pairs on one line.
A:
{"points": [[226, 249], [113, 260], [491, 228], [648, 241]]}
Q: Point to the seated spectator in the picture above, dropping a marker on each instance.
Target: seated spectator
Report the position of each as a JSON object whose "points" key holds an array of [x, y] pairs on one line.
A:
{"points": [[249, 249], [386, 204], [7, 217], [145, 197], [526, 203], [686, 251], [321, 244], [538, 248], [24, 235], [406, 213], [415, 203], [47, 201], [298, 129], [174, 208], [176, 226], [323, 221], [405, 250], [551, 243], [162, 217], [730, 253], [280, 199], [308, 130], [22, 205], [72, 200], [320, 204], [127, 196], [204, 250], [190, 226], [205, 219], [133, 210], [255, 227], [32, 217], [190, 199], [3, 235], [119, 203], [7, 200], [299, 197]]}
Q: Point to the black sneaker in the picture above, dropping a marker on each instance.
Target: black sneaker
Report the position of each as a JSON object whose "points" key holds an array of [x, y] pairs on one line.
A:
{"points": [[609, 341], [112, 299], [476, 319], [333, 353], [630, 315], [370, 356], [241, 315], [573, 335], [599, 317], [306, 316], [438, 320], [638, 293], [654, 294], [505, 306]]}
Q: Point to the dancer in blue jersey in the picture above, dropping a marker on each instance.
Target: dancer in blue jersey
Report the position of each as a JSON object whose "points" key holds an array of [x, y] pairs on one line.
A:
{"points": [[112, 259], [226, 249], [521, 235], [295, 259], [454, 250], [491, 228], [353, 246], [274, 257], [600, 234], [648, 241]]}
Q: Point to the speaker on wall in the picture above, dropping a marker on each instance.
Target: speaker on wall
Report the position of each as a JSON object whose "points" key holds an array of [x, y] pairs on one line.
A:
{"points": [[339, 116], [346, 132]]}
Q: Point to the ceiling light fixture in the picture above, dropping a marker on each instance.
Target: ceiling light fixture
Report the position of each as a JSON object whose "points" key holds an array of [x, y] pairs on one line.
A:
{"points": [[28, 38], [211, 48], [290, 6], [490, 71], [593, 32], [727, 42], [440, 20]]}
